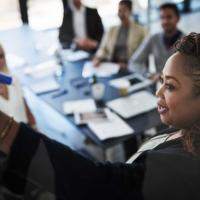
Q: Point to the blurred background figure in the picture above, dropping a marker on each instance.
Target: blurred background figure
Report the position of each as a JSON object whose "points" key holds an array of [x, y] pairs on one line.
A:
{"points": [[12, 101], [160, 45], [81, 26], [24, 11], [186, 6], [119, 43]]}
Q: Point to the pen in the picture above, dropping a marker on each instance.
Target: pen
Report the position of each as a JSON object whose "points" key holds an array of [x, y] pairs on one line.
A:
{"points": [[61, 93]]}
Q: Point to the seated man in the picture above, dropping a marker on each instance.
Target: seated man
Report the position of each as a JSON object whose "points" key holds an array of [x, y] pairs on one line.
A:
{"points": [[81, 26], [160, 44], [120, 42]]}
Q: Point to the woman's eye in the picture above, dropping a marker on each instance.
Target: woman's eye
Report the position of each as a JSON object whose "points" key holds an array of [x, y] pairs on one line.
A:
{"points": [[161, 80], [169, 87]]}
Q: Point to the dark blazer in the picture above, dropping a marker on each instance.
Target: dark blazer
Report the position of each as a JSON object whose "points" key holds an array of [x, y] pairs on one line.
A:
{"points": [[167, 172], [94, 26]]}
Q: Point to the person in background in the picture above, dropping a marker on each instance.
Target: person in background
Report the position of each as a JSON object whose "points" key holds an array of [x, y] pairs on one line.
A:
{"points": [[81, 28], [120, 41], [24, 11], [166, 167], [160, 45], [12, 101]]}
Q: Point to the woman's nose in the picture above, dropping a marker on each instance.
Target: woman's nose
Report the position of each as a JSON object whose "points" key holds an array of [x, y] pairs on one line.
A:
{"points": [[159, 92]]}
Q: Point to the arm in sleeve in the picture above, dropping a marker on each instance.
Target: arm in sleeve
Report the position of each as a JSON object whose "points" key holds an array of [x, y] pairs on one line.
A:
{"points": [[75, 175], [103, 47], [66, 32], [98, 27], [139, 60]]}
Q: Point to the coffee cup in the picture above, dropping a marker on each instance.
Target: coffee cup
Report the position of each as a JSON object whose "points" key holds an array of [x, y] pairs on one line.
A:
{"points": [[123, 87]]}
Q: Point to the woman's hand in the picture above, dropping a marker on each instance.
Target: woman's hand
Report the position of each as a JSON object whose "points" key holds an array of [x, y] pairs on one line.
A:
{"points": [[4, 91], [10, 135], [85, 43], [96, 62]]}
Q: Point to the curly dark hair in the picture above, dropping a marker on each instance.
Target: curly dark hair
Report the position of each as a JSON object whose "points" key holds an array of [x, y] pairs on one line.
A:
{"points": [[189, 46]]}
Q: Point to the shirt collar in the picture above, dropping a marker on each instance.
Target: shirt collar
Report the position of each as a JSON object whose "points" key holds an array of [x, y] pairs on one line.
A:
{"points": [[74, 9]]}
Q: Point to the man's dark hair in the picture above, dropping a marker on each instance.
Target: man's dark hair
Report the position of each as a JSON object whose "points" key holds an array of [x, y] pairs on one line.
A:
{"points": [[171, 6], [127, 3]]}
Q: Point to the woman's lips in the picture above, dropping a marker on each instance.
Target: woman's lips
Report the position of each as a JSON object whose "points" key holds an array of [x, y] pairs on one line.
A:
{"points": [[162, 109]]}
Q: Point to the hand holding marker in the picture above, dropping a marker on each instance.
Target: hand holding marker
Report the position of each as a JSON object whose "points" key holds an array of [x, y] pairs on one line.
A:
{"points": [[5, 79]]}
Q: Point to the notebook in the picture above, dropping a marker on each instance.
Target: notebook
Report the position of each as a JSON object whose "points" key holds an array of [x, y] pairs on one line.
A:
{"points": [[134, 104], [84, 105]]}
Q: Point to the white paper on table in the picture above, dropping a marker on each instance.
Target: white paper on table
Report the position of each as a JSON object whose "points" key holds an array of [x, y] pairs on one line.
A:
{"points": [[105, 69], [72, 56], [45, 86], [111, 128], [43, 69], [84, 105], [134, 104], [15, 61]]}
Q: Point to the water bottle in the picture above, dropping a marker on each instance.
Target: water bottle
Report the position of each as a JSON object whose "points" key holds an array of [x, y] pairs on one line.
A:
{"points": [[60, 72]]}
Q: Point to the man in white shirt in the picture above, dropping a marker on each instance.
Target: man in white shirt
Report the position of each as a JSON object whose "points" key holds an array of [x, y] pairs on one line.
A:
{"points": [[81, 28]]}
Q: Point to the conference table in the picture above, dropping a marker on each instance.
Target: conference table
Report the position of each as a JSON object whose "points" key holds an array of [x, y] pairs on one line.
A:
{"points": [[48, 107]]}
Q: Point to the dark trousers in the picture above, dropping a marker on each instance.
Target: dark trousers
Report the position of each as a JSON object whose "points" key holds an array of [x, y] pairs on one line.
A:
{"points": [[186, 6], [23, 11]]}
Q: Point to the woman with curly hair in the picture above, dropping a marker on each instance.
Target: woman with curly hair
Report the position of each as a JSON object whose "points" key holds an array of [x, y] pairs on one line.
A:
{"points": [[165, 168]]}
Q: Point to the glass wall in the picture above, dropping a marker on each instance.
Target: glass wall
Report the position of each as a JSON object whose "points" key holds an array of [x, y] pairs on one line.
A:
{"points": [[48, 13]]}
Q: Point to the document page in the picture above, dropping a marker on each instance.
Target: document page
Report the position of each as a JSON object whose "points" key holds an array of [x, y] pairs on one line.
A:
{"points": [[105, 69], [45, 86], [15, 61], [43, 69], [113, 127], [72, 56], [84, 105]]}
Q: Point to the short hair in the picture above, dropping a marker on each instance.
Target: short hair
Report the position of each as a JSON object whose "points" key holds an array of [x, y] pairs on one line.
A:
{"points": [[127, 3], [171, 6]]}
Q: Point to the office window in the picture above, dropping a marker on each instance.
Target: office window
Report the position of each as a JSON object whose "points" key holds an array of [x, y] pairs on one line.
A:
{"points": [[42, 14], [9, 15]]}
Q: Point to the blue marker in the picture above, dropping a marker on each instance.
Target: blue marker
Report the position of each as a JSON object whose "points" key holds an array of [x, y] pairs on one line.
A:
{"points": [[5, 79]]}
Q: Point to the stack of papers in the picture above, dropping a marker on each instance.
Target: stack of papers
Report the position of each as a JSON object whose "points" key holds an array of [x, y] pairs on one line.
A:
{"points": [[134, 104], [43, 69], [45, 86], [113, 127], [105, 69], [72, 56], [79, 106]]}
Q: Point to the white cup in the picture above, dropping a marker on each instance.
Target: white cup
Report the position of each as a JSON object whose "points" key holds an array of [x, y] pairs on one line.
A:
{"points": [[98, 90]]}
